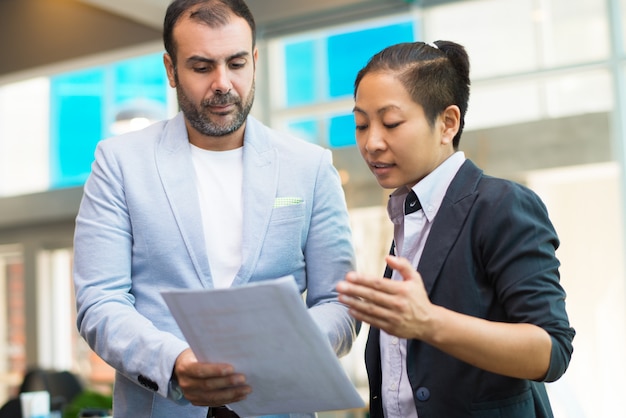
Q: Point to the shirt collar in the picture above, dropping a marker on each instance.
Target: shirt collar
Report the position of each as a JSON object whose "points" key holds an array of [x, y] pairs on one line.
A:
{"points": [[430, 190]]}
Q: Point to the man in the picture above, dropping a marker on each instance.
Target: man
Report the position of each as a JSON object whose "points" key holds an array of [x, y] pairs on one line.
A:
{"points": [[211, 198]]}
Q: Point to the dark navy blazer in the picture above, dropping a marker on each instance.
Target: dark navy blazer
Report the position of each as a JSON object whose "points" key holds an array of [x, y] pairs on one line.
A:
{"points": [[490, 254]]}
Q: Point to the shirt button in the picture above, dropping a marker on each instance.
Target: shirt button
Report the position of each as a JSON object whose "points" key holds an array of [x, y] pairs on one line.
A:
{"points": [[394, 386], [394, 340]]}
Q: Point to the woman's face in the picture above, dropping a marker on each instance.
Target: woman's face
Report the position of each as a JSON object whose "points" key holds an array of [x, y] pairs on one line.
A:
{"points": [[393, 134]]}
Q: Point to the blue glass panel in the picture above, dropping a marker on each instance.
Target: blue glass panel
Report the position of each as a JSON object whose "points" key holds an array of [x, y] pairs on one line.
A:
{"points": [[349, 52], [341, 131], [76, 125], [300, 73], [305, 129], [142, 77], [83, 105], [80, 135]]}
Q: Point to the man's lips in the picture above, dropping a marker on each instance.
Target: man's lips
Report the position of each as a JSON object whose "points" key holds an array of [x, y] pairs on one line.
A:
{"points": [[221, 108]]}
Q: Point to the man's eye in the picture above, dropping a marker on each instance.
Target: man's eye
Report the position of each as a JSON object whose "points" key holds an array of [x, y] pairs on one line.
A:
{"points": [[200, 69], [237, 65]]}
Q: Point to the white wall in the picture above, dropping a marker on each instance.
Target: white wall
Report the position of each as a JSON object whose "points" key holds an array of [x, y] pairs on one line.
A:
{"points": [[24, 138], [585, 206]]}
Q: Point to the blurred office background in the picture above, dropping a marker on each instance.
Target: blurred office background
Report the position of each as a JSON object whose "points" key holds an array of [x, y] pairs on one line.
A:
{"points": [[547, 109]]}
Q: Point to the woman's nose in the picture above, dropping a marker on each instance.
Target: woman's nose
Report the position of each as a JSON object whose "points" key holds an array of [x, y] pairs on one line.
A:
{"points": [[375, 141]]}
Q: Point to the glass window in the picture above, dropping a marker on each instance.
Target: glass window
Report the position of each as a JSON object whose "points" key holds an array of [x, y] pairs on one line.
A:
{"points": [[12, 321], [55, 123], [55, 307], [61, 346], [542, 34], [622, 7], [300, 72], [497, 103], [501, 103], [305, 129], [141, 77], [77, 101], [24, 137], [341, 131], [598, 311], [498, 35], [85, 105], [317, 75], [579, 93], [349, 52], [573, 31]]}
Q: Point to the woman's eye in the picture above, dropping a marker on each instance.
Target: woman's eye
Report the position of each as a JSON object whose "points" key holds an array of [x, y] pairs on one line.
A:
{"points": [[392, 125], [361, 127]]}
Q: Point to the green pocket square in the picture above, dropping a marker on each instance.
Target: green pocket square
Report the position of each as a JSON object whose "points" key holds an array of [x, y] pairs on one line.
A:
{"points": [[279, 202]]}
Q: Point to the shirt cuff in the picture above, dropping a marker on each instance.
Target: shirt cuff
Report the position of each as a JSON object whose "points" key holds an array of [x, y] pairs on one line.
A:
{"points": [[175, 393]]}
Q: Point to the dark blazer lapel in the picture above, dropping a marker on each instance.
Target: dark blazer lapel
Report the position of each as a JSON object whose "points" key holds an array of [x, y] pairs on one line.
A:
{"points": [[454, 209]]}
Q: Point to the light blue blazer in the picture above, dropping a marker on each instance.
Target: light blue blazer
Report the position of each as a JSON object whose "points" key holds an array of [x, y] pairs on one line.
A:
{"points": [[138, 233]]}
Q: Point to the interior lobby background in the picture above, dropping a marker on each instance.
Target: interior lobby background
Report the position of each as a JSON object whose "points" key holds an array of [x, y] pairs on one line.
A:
{"points": [[547, 109]]}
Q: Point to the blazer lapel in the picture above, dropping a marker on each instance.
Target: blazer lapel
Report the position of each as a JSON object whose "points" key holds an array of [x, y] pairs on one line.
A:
{"points": [[175, 167], [260, 183], [454, 209]]}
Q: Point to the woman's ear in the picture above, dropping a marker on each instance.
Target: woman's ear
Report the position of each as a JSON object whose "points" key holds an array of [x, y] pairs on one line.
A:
{"points": [[451, 118]]}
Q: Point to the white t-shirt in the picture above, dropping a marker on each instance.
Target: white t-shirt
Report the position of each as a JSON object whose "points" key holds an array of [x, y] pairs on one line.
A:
{"points": [[219, 176]]}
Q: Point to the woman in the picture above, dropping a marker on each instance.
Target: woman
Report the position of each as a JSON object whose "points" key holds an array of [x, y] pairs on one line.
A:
{"points": [[473, 319]]}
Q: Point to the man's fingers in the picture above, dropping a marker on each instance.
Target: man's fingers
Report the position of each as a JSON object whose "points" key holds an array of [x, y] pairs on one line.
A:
{"points": [[217, 397]]}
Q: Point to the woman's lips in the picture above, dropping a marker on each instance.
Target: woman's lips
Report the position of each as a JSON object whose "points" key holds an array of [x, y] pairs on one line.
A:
{"points": [[380, 169]]}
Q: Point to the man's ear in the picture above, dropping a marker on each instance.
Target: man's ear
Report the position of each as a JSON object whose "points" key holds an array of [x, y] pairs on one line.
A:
{"points": [[255, 58], [170, 69], [451, 118]]}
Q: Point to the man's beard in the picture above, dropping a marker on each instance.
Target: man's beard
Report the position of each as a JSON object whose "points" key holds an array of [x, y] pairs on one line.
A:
{"points": [[200, 118]]}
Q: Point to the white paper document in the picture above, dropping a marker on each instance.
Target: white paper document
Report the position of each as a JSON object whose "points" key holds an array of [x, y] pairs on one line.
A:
{"points": [[265, 331]]}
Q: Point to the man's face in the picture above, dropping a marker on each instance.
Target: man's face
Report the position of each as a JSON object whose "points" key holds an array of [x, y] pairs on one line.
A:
{"points": [[213, 73]]}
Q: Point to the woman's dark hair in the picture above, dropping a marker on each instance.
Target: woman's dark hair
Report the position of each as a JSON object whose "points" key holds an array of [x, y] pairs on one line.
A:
{"points": [[435, 75], [214, 13]]}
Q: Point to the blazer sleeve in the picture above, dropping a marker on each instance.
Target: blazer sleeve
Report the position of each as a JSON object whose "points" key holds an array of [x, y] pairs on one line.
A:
{"points": [[329, 256], [518, 245], [106, 314]]}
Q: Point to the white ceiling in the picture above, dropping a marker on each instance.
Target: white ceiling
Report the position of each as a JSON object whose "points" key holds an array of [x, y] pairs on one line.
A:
{"points": [[272, 16], [148, 12]]}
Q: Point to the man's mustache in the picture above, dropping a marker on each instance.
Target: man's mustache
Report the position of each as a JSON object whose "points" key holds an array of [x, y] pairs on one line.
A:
{"points": [[220, 100]]}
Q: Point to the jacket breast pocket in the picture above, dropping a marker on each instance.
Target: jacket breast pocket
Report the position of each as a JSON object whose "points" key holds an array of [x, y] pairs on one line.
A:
{"points": [[287, 212], [282, 247]]}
